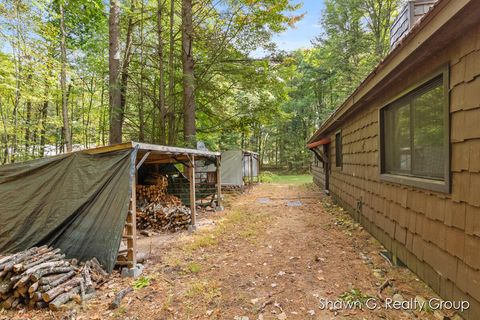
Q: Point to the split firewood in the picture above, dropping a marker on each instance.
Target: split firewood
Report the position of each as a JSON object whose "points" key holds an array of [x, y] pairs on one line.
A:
{"points": [[40, 275], [46, 265], [63, 298], [63, 278], [35, 260], [64, 287], [46, 279], [21, 256], [118, 298], [53, 270], [33, 287], [7, 304]]}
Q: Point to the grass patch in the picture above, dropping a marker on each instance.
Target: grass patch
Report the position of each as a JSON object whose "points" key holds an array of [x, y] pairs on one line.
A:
{"points": [[235, 223], [207, 291], [193, 267], [355, 296], [295, 179], [201, 241]]}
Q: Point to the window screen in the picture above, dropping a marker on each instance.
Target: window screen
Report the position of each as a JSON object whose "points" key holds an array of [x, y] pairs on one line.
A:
{"points": [[413, 131]]}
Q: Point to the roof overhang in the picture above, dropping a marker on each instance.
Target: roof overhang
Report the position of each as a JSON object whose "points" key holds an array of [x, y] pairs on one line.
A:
{"points": [[318, 143], [446, 21], [157, 154]]}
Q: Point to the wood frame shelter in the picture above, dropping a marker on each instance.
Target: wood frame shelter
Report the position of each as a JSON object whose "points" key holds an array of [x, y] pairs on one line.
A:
{"points": [[158, 154]]}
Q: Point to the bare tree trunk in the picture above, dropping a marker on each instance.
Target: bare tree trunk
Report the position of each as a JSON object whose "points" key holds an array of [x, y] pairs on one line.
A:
{"points": [[126, 62], [161, 84], [5, 134], [141, 116], [63, 80], [189, 128], [116, 112], [171, 78]]}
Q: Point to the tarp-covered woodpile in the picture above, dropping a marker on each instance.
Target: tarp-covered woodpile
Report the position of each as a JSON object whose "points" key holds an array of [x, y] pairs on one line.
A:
{"points": [[158, 210], [84, 203], [76, 202], [41, 277]]}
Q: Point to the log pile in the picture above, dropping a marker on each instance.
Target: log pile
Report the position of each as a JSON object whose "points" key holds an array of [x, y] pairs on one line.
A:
{"points": [[158, 210], [41, 277], [158, 216]]}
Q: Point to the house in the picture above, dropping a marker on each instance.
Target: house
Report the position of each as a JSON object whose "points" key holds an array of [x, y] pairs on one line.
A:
{"points": [[402, 153]]}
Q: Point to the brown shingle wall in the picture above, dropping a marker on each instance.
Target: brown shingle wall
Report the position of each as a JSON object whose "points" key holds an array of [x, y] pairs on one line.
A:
{"points": [[437, 235]]}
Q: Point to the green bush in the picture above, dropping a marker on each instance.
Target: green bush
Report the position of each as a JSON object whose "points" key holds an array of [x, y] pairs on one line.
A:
{"points": [[267, 177]]}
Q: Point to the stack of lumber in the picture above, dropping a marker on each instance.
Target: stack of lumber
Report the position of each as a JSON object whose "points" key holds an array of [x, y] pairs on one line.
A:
{"points": [[158, 210], [41, 277]]}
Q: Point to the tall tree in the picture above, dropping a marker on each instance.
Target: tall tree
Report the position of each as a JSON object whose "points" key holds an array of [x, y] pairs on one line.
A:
{"points": [[161, 81], [189, 126], [116, 111], [63, 79]]}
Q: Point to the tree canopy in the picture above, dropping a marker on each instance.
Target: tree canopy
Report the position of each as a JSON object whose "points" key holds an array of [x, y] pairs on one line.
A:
{"points": [[56, 55]]}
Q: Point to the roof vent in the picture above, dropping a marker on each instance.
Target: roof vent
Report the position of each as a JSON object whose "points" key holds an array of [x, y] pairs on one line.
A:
{"points": [[413, 11]]}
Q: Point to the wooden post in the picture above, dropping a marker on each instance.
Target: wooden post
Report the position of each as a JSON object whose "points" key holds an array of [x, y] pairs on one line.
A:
{"points": [[251, 168], [131, 226], [219, 184], [191, 178]]}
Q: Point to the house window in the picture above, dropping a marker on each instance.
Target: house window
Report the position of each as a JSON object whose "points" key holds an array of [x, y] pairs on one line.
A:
{"points": [[338, 149], [415, 145]]}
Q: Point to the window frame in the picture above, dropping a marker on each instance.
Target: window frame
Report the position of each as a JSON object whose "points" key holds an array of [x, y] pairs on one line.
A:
{"points": [[339, 150], [417, 89]]}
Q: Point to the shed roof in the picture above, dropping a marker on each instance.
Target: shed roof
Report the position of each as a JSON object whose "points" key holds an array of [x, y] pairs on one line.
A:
{"points": [[158, 153], [447, 20]]}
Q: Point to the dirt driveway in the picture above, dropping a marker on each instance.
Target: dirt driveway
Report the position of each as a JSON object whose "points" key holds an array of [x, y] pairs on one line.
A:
{"points": [[278, 252]]}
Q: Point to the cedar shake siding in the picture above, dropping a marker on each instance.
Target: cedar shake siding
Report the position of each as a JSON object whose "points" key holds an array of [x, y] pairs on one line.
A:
{"points": [[436, 234]]}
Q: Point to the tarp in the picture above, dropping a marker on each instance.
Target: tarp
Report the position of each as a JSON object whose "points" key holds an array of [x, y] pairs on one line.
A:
{"points": [[231, 168], [76, 202]]}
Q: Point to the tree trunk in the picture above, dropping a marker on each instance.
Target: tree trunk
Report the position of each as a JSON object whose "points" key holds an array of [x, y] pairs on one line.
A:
{"points": [[171, 78], [189, 129], [161, 84], [126, 63], [141, 115], [63, 80], [116, 112]]}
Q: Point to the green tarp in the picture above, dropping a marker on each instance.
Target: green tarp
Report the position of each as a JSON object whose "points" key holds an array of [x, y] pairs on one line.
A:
{"points": [[76, 202]]}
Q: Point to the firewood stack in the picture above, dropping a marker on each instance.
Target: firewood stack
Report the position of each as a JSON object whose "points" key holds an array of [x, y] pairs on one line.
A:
{"points": [[158, 210], [41, 277]]}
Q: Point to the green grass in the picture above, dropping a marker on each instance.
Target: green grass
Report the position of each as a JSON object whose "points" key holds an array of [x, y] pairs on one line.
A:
{"points": [[292, 179]]}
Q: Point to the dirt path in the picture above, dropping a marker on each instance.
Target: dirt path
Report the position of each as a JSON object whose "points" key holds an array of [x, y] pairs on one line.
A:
{"points": [[263, 258]]}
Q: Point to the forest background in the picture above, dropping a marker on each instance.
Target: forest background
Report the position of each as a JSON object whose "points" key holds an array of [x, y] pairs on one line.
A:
{"points": [[83, 73]]}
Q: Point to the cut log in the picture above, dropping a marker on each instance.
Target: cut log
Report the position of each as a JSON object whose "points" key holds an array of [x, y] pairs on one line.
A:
{"points": [[33, 287], [63, 278], [118, 298], [63, 298], [64, 287], [7, 304], [49, 256], [5, 286], [36, 296], [34, 277]]}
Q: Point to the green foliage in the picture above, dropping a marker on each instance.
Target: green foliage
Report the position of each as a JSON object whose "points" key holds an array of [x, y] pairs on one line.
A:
{"points": [[266, 176], [141, 283], [355, 296], [269, 105]]}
